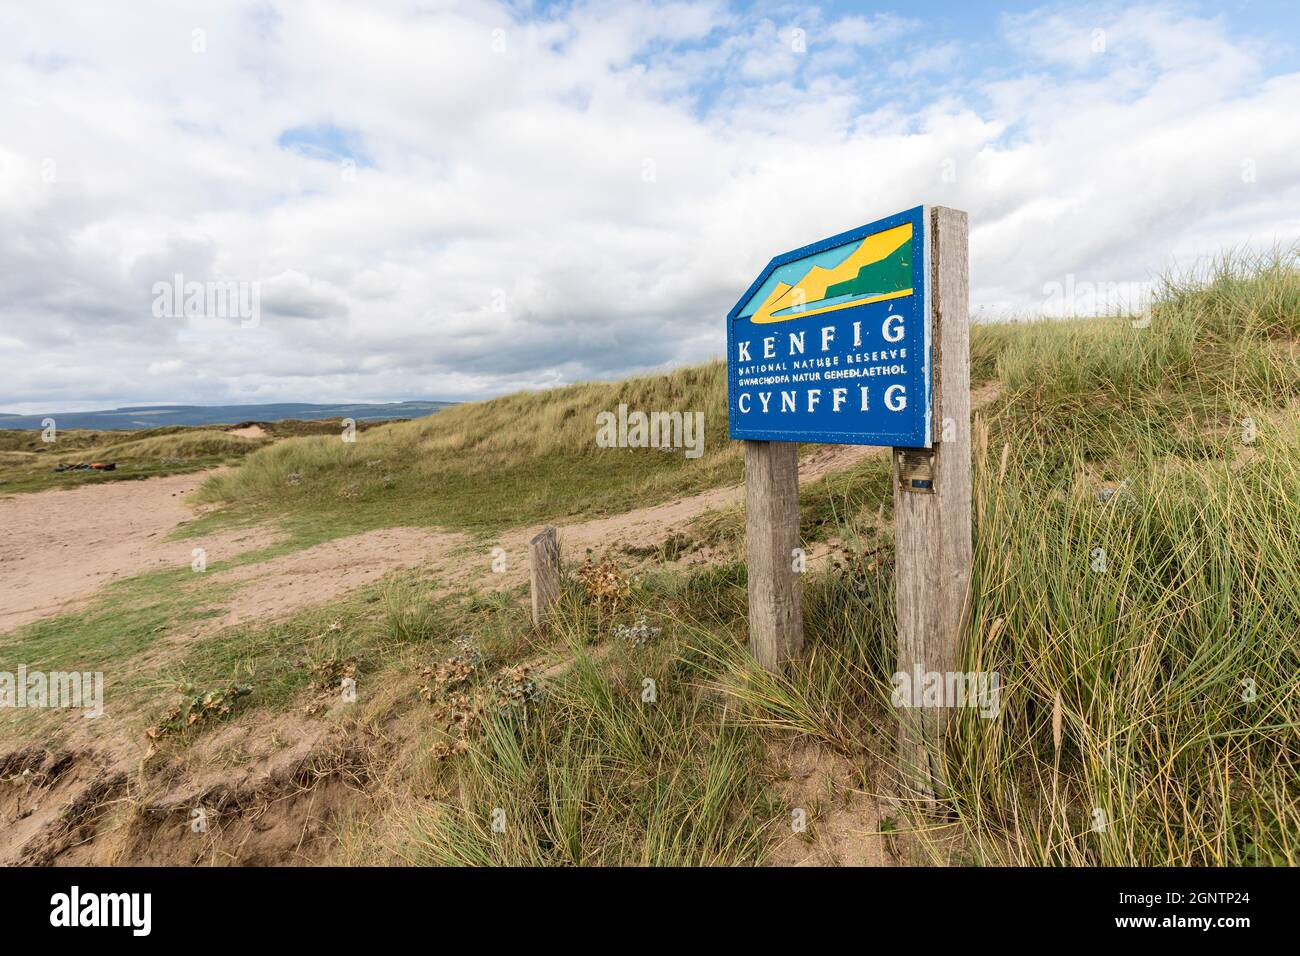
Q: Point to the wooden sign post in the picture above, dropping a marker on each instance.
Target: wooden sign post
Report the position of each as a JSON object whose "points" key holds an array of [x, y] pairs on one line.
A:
{"points": [[771, 537], [932, 531], [862, 339]]}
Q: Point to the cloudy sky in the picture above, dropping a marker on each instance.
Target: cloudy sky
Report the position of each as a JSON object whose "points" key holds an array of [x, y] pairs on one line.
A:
{"points": [[454, 200]]}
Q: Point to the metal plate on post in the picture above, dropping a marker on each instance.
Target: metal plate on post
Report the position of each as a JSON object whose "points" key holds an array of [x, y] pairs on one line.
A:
{"points": [[915, 469]]}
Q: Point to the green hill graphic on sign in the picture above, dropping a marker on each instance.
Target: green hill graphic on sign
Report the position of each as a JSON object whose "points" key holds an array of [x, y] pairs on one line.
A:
{"points": [[891, 274]]}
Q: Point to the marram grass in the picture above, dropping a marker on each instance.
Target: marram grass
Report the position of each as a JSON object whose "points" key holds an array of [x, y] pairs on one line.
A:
{"points": [[1136, 587]]}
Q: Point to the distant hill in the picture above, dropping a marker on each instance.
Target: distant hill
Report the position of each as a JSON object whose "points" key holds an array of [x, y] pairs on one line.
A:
{"points": [[157, 416]]}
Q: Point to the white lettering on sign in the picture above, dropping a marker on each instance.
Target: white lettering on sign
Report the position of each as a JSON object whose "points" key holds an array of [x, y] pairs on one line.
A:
{"points": [[895, 397]]}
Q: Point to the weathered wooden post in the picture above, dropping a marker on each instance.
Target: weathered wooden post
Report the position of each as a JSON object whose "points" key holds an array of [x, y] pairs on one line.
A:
{"points": [[771, 537], [932, 522], [544, 573]]}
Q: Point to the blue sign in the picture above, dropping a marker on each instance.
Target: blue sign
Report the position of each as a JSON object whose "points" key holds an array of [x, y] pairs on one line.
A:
{"points": [[832, 341]]}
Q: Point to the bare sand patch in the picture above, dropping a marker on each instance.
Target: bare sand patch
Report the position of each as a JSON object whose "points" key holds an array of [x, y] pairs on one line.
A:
{"points": [[834, 822], [322, 573], [59, 547], [249, 431]]}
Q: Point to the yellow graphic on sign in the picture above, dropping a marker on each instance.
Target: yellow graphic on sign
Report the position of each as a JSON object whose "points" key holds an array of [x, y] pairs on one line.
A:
{"points": [[879, 268]]}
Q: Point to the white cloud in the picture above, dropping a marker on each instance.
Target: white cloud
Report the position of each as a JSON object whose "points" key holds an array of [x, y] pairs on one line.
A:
{"points": [[584, 193], [294, 295], [875, 30]]}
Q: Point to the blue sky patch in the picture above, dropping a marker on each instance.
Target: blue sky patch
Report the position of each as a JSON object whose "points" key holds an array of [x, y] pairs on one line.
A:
{"points": [[327, 142]]}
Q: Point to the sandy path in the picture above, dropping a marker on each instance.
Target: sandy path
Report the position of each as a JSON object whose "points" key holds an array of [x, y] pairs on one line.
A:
{"points": [[655, 524], [645, 527], [322, 573], [640, 528], [57, 548]]}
